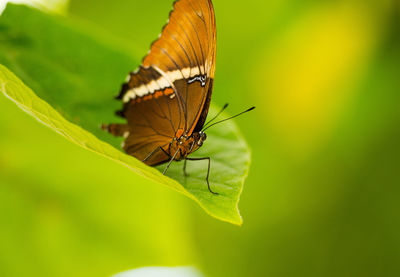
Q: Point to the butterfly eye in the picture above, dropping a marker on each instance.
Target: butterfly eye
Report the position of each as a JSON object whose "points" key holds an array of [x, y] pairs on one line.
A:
{"points": [[201, 139]]}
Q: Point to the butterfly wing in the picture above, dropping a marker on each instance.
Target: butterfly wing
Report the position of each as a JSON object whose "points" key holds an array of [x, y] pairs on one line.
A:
{"points": [[186, 51], [168, 96]]}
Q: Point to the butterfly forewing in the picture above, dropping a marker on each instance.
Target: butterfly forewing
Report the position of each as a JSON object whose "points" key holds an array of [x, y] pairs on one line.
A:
{"points": [[168, 96]]}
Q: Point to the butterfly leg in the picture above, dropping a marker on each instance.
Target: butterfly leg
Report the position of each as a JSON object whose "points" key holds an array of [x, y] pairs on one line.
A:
{"points": [[154, 152], [170, 162], [185, 163], [208, 171]]}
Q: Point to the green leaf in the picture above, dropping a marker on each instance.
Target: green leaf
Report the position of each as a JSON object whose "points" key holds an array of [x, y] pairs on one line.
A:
{"points": [[73, 77], [65, 211], [55, 6]]}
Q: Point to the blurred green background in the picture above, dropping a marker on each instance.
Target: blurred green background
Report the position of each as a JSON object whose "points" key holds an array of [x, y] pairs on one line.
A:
{"points": [[322, 197]]}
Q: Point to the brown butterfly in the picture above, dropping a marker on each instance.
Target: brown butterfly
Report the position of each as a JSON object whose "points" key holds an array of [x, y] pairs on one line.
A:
{"points": [[166, 100]]}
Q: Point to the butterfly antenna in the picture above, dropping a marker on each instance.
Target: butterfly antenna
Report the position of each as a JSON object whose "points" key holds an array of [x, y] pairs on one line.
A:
{"points": [[229, 118], [217, 115]]}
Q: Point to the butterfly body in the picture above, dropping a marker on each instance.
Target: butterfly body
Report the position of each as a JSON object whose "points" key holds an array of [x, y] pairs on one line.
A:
{"points": [[184, 146]]}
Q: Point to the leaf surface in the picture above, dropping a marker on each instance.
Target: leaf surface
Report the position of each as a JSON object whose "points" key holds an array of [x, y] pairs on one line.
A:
{"points": [[67, 79]]}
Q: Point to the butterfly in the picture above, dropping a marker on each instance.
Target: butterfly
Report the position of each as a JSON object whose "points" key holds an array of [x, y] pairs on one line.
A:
{"points": [[166, 100]]}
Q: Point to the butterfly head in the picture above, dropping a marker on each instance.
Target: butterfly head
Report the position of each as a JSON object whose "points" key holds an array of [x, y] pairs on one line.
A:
{"points": [[202, 137]]}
